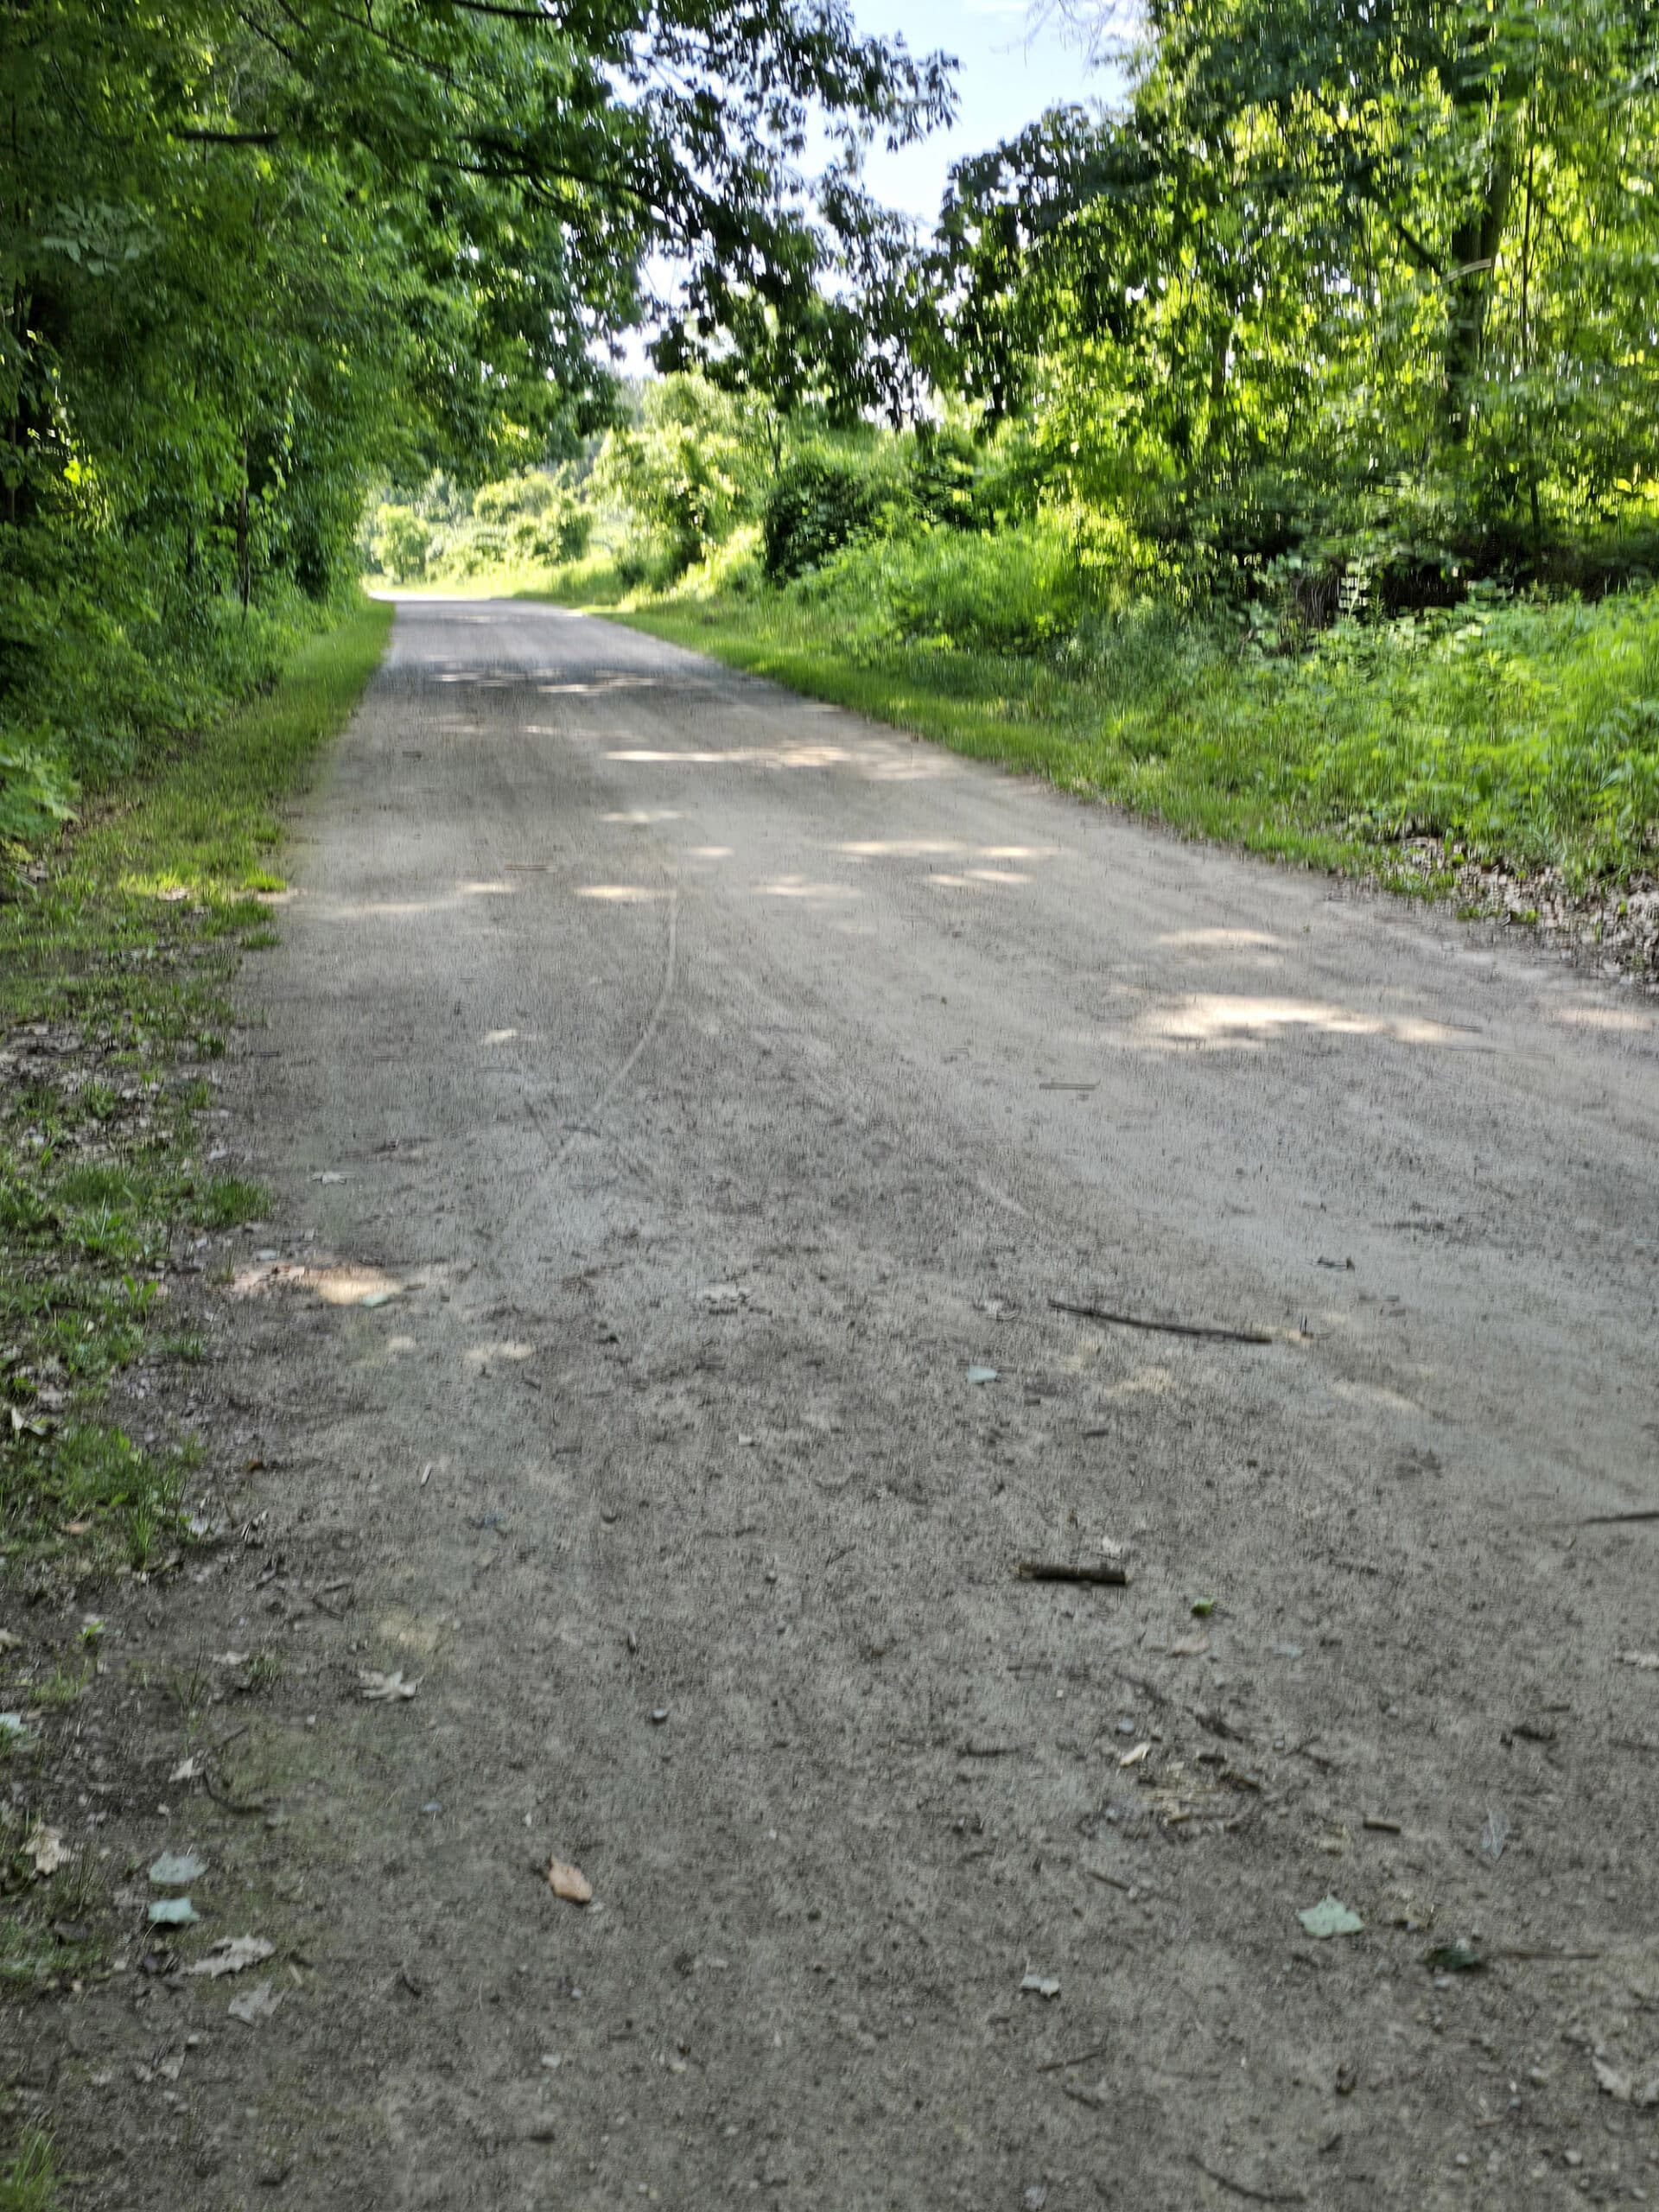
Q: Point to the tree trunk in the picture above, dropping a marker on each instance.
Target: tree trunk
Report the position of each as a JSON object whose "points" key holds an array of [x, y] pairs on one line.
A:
{"points": [[1475, 244], [244, 548]]}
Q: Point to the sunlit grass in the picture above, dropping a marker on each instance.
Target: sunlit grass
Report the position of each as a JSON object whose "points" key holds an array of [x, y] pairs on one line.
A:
{"points": [[1520, 734], [124, 954]]}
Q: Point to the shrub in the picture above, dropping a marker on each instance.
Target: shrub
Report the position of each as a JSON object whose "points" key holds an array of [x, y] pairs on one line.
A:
{"points": [[1012, 593], [943, 479], [402, 543], [731, 571], [36, 791], [687, 473], [817, 504]]}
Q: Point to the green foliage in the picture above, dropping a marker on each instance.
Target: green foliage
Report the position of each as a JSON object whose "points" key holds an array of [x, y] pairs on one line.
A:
{"points": [[38, 792], [688, 472], [1518, 731], [253, 261], [955, 591], [1332, 274], [28, 2181], [534, 520], [402, 541], [820, 502], [122, 950]]}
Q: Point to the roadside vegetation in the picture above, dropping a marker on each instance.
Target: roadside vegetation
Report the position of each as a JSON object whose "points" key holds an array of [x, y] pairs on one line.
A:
{"points": [[1495, 721], [116, 952], [1276, 451]]}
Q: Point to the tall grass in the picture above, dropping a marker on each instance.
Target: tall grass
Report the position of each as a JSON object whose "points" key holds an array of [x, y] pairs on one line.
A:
{"points": [[1520, 731]]}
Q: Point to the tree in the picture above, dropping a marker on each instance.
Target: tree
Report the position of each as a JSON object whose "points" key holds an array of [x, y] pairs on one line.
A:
{"points": [[254, 249]]}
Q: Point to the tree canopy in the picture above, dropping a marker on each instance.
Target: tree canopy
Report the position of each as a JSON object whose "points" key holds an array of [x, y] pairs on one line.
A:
{"points": [[1376, 256], [254, 249]]}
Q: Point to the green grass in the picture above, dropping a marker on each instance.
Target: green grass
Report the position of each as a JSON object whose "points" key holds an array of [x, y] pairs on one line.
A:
{"points": [[28, 2180], [115, 961], [1518, 732]]}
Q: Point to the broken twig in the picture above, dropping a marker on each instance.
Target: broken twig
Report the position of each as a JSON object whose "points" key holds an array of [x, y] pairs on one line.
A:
{"points": [[1612, 1519], [1243, 2188], [1037, 1570], [1059, 2065], [1161, 1328]]}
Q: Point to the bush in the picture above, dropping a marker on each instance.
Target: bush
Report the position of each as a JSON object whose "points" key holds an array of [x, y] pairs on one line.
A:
{"points": [[516, 497], [943, 479], [687, 473], [732, 571], [1014, 592], [402, 543], [818, 504], [37, 791]]}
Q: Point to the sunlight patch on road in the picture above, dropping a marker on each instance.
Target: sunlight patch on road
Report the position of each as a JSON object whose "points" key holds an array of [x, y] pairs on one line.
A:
{"points": [[604, 684], [796, 886], [1222, 940], [1374, 1395], [1622, 1019], [901, 848], [1143, 1382], [421, 1633], [620, 895], [336, 1286], [1218, 1019], [364, 909], [479, 1356]]}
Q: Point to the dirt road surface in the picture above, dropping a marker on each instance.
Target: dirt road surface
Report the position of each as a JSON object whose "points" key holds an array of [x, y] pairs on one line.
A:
{"points": [[686, 1105]]}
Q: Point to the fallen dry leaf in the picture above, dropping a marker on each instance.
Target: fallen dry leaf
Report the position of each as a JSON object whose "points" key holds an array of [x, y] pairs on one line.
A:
{"points": [[1647, 1660], [384, 1689], [188, 1770], [254, 2005], [1190, 1647], [46, 1848], [569, 1881], [232, 1953], [8, 1642], [1135, 1757]]}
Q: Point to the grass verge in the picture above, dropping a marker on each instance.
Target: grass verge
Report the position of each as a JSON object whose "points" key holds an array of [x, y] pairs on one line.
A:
{"points": [[1519, 736], [114, 962]]}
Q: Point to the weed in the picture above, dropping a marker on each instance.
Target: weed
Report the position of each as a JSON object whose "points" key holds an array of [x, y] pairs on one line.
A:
{"points": [[227, 1202], [63, 1686], [191, 1690], [28, 2182], [1528, 737], [129, 979]]}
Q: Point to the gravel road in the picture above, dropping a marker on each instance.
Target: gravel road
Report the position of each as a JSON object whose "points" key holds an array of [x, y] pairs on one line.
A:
{"points": [[726, 1091]]}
